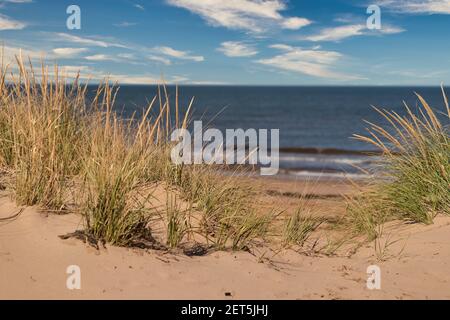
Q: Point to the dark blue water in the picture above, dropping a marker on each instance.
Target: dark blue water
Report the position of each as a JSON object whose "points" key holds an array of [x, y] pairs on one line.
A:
{"points": [[308, 117]]}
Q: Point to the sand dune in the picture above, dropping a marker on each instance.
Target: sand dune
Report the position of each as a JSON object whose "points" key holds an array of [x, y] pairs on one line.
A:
{"points": [[33, 262]]}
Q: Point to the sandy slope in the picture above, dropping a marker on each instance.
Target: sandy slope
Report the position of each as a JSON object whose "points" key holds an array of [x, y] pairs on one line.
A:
{"points": [[33, 262]]}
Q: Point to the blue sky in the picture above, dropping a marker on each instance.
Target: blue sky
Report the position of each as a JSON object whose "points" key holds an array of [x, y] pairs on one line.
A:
{"points": [[262, 42]]}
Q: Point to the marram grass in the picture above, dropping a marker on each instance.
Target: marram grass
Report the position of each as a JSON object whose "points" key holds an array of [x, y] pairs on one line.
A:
{"points": [[64, 153], [415, 184]]}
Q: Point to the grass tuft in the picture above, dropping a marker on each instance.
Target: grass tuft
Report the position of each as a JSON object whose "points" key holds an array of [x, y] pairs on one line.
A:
{"points": [[299, 227], [415, 182]]}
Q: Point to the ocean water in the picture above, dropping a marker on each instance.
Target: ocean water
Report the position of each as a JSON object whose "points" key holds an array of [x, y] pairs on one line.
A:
{"points": [[316, 123]]}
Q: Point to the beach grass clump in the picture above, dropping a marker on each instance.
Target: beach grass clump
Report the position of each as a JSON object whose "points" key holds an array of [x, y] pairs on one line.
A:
{"points": [[40, 126], [63, 151], [241, 228], [178, 222], [415, 182], [367, 209], [115, 209], [227, 218], [228, 213], [298, 227], [55, 145]]}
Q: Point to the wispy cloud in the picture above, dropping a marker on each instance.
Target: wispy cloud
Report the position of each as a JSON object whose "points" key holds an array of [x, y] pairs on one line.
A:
{"points": [[6, 23], [87, 41], [73, 71], [9, 53], [311, 62], [91, 71], [248, 15], [209, 83], [424, 74], [134, 79], [5, 2], [87, 72], [129, 56], [68, 52], [346, 31], [178, 79], [159, 59], [418, 6], [237, 49], [295, 23], [138, 6], [101, 57], [16, 1], [178, 54], [125, 58], [145, 79]]}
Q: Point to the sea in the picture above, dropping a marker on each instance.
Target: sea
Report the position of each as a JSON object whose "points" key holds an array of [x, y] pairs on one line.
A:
{"points": [[316, 123]]}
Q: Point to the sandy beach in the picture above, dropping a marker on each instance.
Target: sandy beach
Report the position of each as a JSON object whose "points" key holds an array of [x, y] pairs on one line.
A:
{"points": [[33, 262], [224, 150]]}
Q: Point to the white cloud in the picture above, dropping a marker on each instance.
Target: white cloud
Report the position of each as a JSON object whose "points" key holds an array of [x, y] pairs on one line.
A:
{"points": [[6, 23], [86, 72], [9, 53], [248, 15], [101, 57], [133, 79], [346, 31], [178, 79], [295, 23], [315, 63], [237, 49], [88, 41], [144, 79], [418, 6], [162, 60], [338, 33], [280, 46], [129, 56], [138, 6], [68, 52], [184, 55], [72, 71]]}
